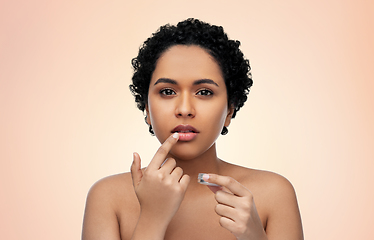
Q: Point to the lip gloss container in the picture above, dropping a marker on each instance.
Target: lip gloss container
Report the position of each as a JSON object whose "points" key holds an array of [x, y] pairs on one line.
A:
{"points": [[201, 181]]}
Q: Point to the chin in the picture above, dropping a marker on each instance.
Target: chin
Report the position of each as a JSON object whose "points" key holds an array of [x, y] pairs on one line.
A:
{"points": [[185, 152]]}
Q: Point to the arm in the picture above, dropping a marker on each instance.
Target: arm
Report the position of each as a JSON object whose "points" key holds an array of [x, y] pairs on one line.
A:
{"points": [[284, 221], [100, 221]]}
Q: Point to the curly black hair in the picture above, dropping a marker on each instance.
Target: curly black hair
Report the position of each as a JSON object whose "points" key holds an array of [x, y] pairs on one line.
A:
{"points": [[235, 68]]}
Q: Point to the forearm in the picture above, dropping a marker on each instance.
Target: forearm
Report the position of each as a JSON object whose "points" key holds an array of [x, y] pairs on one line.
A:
{"points": [[149, 228]]}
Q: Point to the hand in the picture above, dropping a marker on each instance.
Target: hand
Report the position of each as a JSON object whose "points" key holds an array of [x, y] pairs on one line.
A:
{"points": [[161, 187], [236, 208]]}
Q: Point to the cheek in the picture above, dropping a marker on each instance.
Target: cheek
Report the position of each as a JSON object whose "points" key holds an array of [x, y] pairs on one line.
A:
{"points": [[214, 115], [159, 112]]}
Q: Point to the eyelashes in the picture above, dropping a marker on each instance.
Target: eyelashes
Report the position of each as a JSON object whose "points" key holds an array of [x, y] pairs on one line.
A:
{"points": [[167, 92], [205, 92], [200, 92]]}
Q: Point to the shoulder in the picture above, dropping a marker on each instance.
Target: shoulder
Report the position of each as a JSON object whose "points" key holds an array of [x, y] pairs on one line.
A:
{"points": [[271, 181], [103, 204], [111, 182], [275, 190], [276, 197], [259, 178], [270, 188], [111, 191], [275, 200]]}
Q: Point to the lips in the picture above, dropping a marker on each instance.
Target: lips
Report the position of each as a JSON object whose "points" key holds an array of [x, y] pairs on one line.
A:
{"points": [[184, 129], [186, 132]]}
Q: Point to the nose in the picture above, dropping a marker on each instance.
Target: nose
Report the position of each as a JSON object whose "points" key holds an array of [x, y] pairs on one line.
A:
{"points": [[185, 106]]}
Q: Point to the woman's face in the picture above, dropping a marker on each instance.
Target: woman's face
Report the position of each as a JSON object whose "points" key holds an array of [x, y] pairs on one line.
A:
{"points": [[187, 94]]}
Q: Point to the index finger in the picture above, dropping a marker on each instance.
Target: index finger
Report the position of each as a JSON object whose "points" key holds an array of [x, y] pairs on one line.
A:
{"points": [[228, 182], [163, 151]]}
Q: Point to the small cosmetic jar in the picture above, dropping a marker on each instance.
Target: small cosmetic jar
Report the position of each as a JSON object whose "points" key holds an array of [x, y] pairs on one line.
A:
{"points": [[201, 181]]}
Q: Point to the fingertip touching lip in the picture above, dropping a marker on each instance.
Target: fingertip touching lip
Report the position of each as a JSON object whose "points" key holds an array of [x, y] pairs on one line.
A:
{"points": [[184, 129]]}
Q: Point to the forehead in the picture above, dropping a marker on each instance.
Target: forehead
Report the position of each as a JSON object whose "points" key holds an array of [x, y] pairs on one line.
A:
{"points": [[187, 62]]}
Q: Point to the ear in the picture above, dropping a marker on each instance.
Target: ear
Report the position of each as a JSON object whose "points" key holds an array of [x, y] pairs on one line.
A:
{"points": [[230, 112], [147, 115]]}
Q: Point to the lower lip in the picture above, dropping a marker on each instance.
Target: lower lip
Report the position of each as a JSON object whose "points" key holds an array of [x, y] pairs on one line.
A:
{"points": [[185, 137]]}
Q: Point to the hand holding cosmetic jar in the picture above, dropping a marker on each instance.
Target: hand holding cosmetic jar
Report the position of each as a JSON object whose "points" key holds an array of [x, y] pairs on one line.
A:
{"points": [[201, 180]]}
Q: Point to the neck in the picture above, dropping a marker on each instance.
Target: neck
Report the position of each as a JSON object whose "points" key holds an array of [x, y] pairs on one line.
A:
{"points": [[208, 162]]}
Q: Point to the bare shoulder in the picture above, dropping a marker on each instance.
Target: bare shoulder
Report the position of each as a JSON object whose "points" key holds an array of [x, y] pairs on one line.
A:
{"points": [[274, 190], [105, 199], [261, 177], [274, 183], [275, 199], [268, 182], [110, 190]]}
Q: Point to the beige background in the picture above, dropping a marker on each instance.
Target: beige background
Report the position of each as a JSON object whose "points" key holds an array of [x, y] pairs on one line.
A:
{"points": [[67, 118]]}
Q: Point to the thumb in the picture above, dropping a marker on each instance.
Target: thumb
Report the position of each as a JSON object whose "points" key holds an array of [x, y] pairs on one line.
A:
{"points": [[136, 172]]}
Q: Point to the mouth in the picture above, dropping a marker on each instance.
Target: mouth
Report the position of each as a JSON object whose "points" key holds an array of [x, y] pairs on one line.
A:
{"points": [[184, 129], [186, 132]]}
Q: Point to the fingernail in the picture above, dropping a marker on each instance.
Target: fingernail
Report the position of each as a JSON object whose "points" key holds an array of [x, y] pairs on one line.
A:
{"points": [[176, 135], [206, 177]]}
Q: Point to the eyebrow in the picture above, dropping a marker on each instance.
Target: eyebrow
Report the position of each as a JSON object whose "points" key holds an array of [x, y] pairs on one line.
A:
{"points": [[197, 82]]}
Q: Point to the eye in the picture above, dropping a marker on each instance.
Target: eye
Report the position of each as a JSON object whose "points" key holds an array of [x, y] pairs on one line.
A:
{"points": [[167, 92], [204, 92]]}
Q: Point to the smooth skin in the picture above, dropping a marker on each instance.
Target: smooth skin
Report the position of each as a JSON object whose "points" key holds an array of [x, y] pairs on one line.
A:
{"points": [[164, 200]]}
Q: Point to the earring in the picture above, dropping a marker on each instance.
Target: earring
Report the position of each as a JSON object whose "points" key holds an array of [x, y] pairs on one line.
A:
{"points": [[150, 126], [224, 130], [151, 130]]}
